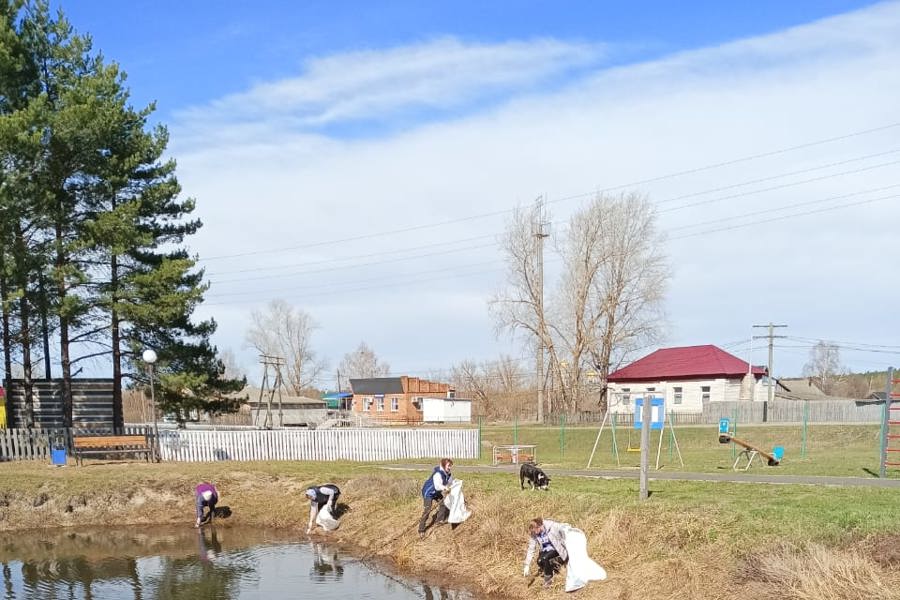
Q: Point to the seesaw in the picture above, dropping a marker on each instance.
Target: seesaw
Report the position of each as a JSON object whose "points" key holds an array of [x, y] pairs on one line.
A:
{"points": [[749, 451]]}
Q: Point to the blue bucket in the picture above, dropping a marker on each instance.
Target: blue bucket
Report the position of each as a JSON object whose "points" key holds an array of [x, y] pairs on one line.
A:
{"points": [[58, 457]]}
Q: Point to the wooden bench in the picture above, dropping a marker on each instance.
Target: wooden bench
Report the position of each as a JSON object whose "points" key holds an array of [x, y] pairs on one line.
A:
{"points": [[110, 444]]}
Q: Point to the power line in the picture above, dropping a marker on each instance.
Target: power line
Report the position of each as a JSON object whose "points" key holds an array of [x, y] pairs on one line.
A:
{"points": [[337, 284], [495, 244], [786, 207], [572, 197], [361, 265], [836, 342], [780, 176], [372, 287], [406, 279], [353, 257], [782, 218], [780, 187]]}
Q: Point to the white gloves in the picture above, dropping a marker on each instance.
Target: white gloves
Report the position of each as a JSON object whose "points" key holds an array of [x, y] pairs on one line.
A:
{"points": [[527, 570]]}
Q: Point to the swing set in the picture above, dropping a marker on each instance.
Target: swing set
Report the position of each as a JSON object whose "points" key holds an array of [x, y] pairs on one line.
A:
{"points": [[659, 421]]}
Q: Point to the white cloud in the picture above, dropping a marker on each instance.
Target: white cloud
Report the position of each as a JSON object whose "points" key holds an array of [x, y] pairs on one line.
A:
{"points": [[261, 184], [371, 84]]}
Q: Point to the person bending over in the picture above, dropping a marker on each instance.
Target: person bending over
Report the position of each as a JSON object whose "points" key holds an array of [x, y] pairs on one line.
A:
{"points": [[549, 538], [319, 496], [206, 496]]}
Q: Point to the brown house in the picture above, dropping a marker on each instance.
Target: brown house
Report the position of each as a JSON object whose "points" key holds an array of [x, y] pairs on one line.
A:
{"points": [[395, 398]]}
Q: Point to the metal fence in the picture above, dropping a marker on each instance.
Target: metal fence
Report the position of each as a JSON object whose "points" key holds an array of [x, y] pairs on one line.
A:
{"points": [[777, 411], [255, 444]]}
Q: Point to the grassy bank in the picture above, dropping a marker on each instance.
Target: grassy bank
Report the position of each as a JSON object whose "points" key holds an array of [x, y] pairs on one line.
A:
{"points": [[691, 540]]}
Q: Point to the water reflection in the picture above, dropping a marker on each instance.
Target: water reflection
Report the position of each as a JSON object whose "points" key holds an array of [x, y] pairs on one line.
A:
{"points": [[209, 563]]}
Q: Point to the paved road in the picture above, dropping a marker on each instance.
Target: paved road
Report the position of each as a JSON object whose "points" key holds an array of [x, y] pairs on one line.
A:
{"points": [[729, 476]]}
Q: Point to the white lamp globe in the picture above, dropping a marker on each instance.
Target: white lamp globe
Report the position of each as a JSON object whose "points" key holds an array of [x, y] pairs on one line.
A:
{"points": [[149, 357]]}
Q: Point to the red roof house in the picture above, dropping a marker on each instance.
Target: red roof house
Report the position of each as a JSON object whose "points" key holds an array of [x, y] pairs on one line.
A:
{"points": [[688, 362], [688, 378]]}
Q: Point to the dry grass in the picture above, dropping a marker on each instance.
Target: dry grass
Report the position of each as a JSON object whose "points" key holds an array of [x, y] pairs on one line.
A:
{"points": [[813, 572], [689, 542]]}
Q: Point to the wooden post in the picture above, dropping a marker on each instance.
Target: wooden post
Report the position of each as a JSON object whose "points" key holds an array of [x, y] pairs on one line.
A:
{"points": [[646, 416]]}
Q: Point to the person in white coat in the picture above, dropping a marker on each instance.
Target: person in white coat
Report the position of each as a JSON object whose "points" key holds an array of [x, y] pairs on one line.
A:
{"points": [[548, 538], [560, 543]]}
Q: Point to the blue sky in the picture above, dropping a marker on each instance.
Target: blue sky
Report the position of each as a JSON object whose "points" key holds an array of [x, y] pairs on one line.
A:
{"points": [[186, 53], [318, 138]]}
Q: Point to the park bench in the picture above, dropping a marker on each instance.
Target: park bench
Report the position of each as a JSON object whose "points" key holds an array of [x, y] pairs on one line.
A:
{"points": [[513, 454], [110, 444]]}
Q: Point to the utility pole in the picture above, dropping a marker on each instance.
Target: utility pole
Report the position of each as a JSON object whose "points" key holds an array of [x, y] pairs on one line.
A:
{"points": [[771, 336], [275, 363], [539, 234]]}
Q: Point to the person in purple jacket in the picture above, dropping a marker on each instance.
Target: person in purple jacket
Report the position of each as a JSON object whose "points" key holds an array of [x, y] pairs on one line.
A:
{"points": [[206, 495]]}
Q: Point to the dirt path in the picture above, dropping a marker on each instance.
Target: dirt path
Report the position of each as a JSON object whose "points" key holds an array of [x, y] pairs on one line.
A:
{"points": [[727, 477]]}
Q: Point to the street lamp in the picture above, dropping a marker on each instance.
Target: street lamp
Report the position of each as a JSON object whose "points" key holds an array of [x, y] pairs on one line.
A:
{"points": [[149, 357]]}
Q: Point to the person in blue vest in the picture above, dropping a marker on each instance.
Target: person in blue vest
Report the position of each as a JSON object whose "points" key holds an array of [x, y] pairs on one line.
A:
{"points": [[433, 491], [319, 496]]}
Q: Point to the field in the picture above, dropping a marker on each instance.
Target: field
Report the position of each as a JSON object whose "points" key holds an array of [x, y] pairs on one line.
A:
{"points": [[839, 450]]}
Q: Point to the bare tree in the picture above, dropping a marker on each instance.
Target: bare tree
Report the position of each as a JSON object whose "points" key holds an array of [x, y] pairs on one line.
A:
{"points": [[362, 363], [607, 302], [824, 366], [281, 330], [232, 369], [631, 281], [499, 388]]}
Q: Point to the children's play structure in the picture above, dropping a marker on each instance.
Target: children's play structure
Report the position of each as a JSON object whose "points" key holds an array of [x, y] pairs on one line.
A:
{"points": [[749, 451], [660, 420]]}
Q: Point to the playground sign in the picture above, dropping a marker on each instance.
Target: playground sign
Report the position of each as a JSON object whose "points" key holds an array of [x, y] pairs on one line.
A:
{"points": [[657, 413]]}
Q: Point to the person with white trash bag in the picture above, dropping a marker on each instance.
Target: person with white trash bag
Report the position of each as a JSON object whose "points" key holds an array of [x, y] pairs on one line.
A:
{"points": [[322, 505], [561, 544]]}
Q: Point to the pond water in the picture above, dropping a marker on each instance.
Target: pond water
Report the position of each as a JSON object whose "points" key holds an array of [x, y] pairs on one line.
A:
{"points": [[210, 563]]}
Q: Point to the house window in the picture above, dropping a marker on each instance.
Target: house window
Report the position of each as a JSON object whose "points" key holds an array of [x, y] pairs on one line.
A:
{"points": [[626, 396], [367, 404], [651, 389], [704, 394], [417, 402], [677, 395], [379, 406], [395, 404]]}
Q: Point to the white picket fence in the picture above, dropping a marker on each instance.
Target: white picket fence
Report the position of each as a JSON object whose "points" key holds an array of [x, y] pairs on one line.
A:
{"points": [[328, 444]]}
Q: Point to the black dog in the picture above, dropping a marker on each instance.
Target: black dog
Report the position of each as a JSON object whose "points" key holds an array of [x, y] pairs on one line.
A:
{"points": [[535, 476]]}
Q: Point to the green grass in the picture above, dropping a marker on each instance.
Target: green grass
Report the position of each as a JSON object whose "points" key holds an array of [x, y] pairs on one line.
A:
{"points": [[839, 450]]}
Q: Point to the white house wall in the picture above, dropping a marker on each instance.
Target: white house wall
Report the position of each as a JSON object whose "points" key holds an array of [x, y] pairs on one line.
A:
{"points": [[432, 410], [720, 390], [446, 410]]}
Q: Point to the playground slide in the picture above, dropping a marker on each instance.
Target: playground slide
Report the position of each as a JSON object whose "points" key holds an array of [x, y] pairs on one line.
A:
{"points": [[724, 438]]}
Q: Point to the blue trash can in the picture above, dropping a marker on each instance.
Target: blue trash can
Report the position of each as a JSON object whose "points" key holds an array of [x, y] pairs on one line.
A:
{"points": [[58, 451]]}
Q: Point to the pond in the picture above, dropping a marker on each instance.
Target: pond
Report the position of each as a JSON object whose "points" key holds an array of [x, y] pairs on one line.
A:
{"points": [[209, 563]]}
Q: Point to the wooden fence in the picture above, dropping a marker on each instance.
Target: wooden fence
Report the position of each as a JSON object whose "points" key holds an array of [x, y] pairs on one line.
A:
{"points": [[255, 444], [35, 444], [327, 444]]}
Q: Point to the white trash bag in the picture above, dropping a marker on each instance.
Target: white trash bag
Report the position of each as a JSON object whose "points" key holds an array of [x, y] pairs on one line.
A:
{"points": [[326, 519], [455, 501], [580, 569]]}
